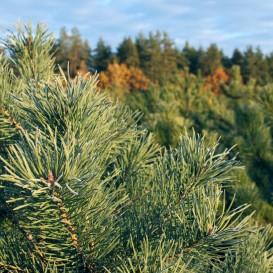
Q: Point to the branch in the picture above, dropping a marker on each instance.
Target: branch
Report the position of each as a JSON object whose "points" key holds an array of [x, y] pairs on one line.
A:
{"points": [[71, 228], [140, 196], [11, 119], [11, 267], [29, 236]]}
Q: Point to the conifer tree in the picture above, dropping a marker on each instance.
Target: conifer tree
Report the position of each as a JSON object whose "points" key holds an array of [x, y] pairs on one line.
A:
{"points": [[190, 58], [169, 55], [269, 61], [157, 56], [71, 48], [84, 190], [237, 57], [127, 53], [142, 46], [235, 87], [212, 60], [249, 69], [155, 64], [102, 56]]}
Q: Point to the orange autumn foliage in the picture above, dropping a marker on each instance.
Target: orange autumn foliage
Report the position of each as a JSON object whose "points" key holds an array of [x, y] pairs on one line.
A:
{"points": [[123, 77], [215, 80], [116, 75]]}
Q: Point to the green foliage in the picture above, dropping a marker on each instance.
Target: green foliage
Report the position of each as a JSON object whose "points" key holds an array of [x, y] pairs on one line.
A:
{"points": [[245, 190], [102, 56], [127, 53], [84, 189], [31, 52], [212, 60], [254, 245], [72, 49], [7, 132], [240, 114], [152, 259], [255, 142], [255, 66], [235, 88], [157, 56]]}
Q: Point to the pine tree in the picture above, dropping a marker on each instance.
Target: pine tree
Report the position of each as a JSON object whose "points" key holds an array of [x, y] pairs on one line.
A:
{"points": [[142, 46], [157, 56], [250, 65], [155, 71], [84, 190], [191, 58], [169, 56], [269, 60], [237, 57], [256, 145], [235, 88], [212, 60], [71, 48], [127, 53], [102, 56]]}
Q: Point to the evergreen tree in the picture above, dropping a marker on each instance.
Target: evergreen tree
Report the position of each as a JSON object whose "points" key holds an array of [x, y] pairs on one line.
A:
{"points": [[256, 145], [181, 60], [143, 53], [169, 55], [85, 190], [262, 75], [102, 56], [235, 87], [62, 49], [191, 58], [237, 57], [80, 56], [156, 69], [24, 45], [157, 56], [255, 66], [127, 53], [269, 60], [71, 48], [249, 70], [212, 60]]}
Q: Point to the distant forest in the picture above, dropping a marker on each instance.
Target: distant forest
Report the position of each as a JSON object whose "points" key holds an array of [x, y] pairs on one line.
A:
{"points": [[159, 59]]}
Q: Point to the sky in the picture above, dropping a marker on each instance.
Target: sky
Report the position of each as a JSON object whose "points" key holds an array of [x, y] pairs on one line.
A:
{"points": [[228, 23]]}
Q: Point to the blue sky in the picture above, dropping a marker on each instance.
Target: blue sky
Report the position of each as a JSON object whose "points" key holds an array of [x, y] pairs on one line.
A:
{"points": [[229, 23]]}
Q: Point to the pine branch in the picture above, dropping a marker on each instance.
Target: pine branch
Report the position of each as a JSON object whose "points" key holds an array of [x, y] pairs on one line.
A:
{"points": [[26, 234], [11, 267], [70, 226], [11, 119]]}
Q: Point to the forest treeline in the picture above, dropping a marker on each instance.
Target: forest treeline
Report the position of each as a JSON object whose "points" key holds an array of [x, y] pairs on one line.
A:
{"points": [[158, 58], [217, 95]]}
